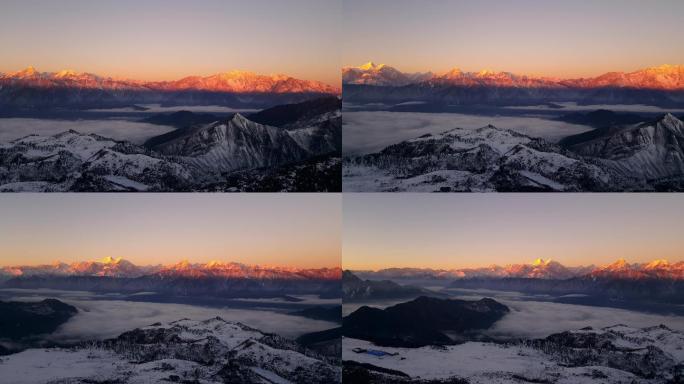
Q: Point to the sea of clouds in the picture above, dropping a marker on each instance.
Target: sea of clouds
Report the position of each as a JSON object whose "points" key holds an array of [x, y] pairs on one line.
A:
{"points": [[369, 132], [102, 319], [529, 318], [135, 132]]}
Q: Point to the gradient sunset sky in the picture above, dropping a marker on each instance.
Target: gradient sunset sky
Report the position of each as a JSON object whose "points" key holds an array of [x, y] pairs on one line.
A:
{"points": [[539, 37], [170, 39], [474, 230], [267, 229]]}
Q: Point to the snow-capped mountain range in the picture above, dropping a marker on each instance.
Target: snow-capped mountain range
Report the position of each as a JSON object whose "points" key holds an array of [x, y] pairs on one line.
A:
{"points": [[639, 157], [664, 77], [541, 269], [209, 351], [30, 91], [381, 75], [118, 267], [232, 82]]}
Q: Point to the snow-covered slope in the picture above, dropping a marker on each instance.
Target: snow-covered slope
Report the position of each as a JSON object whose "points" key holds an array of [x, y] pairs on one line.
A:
{"points": [[617, 354], [210, 351], [71, 160], [233, 145], [650, 151], [483, 159], [644, 156], [192, 158]]}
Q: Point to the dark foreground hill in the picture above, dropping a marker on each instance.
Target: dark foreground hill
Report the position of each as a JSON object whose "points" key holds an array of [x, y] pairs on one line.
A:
{"points": [[423, 321], [19, 320]]}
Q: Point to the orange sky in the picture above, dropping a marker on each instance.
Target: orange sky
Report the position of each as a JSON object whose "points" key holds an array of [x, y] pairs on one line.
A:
{"points": [[475, 230], [269, 229], [567, 39], [169, 39]]}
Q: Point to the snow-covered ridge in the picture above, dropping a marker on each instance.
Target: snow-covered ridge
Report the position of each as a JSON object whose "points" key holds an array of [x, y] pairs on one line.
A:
{"points": [[118, 267], [642, 157], [231, 82], [617, 354], [664, 77], [192, 159], [209, 351], [543, 269], [381, 75]]}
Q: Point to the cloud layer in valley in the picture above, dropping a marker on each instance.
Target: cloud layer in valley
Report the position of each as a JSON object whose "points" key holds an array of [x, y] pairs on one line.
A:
{"points": [[101, 319], [137, 133], [368, 132]]}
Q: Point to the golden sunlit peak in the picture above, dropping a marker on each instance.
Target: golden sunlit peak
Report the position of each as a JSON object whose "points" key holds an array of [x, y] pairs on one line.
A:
{"points": [[214, 263], [371, 66], [485, 72], [66, 73], [659, 263], [540, 261], [28, 71], [110, 260]]}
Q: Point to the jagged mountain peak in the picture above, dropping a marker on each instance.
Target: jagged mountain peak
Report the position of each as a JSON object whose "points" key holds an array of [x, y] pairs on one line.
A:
{"points": [[26, 72], [380, 74], [540, 262], [371, 66], [663, 77], [670, 120], [112, 260], [237, 81], [238, 118], [119, 267]]}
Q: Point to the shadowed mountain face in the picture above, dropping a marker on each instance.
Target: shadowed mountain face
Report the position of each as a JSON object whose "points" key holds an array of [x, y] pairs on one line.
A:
{"points": [[629, 291], [602, 118], [332, 314], [647, 151], [356, 289], [183, 286], [423, 321], [20, 320], [283, 115]]}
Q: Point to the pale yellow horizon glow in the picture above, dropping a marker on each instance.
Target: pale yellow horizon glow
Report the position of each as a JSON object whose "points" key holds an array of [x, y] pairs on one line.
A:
{"points": [[563, 39], [300, 231], [478, 230], [157, 40]]}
